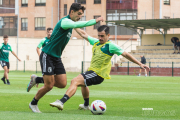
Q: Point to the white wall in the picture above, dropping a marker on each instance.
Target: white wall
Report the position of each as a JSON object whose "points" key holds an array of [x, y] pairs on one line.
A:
{"points": [[72, 56]]}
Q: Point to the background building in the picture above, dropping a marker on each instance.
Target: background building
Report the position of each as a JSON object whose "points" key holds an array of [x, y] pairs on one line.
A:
{"points": [[37, 15]]}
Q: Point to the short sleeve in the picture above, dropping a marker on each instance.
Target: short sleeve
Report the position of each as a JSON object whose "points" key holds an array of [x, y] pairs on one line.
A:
{"points": [[41, 43], [115, 49], [10, 48], [1, 45], [92, 40]]}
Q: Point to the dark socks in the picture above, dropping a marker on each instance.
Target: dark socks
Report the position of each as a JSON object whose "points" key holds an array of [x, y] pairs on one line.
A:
{"points": [[86, 101], [64, 99], [34, 101], [39, 80], [3, 78]]}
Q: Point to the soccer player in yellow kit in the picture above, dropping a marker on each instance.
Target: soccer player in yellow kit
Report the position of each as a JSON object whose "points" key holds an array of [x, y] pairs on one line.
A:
{"points": [[100, 67]]}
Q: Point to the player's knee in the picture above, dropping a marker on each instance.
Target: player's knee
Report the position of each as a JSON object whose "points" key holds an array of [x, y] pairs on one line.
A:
{"points": [[64, 84], [74, 81], [5, 70], [49, 87]]}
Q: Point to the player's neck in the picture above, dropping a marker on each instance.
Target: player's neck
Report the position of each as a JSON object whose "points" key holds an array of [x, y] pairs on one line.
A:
{"points": [[71, 17], [5, 43]]}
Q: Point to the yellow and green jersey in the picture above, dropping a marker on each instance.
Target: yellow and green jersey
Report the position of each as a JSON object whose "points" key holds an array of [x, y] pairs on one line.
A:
{"points": [[4, 52], [102, 54], [61, 35], [43, 42]]}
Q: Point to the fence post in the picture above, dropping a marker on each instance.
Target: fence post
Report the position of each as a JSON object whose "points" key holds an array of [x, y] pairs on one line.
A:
{"points": [[24, 66], [150, 68], [128, 68], [82, 67], [36, 66], [172, 69]]}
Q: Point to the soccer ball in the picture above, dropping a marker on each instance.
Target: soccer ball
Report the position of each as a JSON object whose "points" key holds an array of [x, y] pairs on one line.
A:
{"points": [[98, 107]]}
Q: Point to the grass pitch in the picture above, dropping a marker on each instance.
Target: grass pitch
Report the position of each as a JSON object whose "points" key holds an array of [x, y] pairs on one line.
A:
{"points": [[126, 97]]}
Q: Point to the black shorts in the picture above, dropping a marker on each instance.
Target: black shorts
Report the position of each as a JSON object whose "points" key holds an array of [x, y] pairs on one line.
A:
{"points": [[91, 78], [4, 63], [51, 65]]}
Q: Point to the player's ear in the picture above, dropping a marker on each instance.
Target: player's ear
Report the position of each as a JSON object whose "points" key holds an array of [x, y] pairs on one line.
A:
{"points": [[72, 11]]}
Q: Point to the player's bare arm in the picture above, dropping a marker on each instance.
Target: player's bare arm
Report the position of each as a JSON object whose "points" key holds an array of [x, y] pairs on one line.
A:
{"points": [[99, 19], [15, 55], [38, 51], [82, 33], [134, 60]]}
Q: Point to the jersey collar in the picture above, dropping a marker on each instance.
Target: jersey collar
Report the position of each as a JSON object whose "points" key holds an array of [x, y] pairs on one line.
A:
{"points": [[6, 44]]}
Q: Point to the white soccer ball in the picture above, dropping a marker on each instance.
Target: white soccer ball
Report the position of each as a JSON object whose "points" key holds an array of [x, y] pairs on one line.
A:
{"points": [[98, 107]]}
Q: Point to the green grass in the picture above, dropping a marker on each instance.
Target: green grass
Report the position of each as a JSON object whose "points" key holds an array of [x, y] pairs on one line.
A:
{"points": [[125, 96]]}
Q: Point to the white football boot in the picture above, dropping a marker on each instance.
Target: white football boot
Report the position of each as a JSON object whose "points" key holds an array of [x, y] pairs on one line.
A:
{"points": [[81, 106], [32, 82], [57, 104], [34, 108]]}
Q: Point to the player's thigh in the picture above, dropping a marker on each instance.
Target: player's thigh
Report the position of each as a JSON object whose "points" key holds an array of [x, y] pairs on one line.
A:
{"points": [[5, 69], [48, 80], [79, 80], [60, 79]]}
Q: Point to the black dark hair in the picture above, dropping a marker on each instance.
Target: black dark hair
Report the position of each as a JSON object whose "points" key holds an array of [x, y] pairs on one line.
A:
{"points": [[76, 6], [5, 36], [48, 29], [103, 28]]}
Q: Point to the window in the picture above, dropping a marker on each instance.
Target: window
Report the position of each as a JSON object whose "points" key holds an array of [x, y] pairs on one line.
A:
{"points": [[65, 9], [1, 3], [24, 3], [8, 26], [40, 3], [24, 24], [83, 18], [40, 23], [80, 1], [98, 24], [97, 1], [121, 15], [166, 2]]}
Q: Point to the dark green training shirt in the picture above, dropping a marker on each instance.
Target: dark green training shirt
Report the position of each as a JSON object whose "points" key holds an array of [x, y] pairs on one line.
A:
{"points": [[61, 35], [4, 52], [43, 42]]}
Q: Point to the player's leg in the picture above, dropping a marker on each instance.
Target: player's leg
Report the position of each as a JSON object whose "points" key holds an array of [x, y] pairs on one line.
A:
{"points": [[174, 47], [7, 79], [6, 74], [60, 77], [3, 79], [178, 49], [85, 79], [48, 85], [85, 94], [2, 65], [77, 81], [34, 80], [48, 76], [139, 72], [145, 72]]}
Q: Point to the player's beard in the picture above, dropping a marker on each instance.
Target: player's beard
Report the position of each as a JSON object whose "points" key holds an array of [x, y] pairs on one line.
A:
{"points": [[78, 19]]}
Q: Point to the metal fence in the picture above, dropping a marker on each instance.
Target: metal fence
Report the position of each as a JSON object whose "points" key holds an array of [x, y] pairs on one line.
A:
{"points": [[25, 66], [129, 68]]}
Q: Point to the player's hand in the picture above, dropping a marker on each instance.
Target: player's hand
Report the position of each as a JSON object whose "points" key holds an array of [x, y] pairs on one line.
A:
{"points": [[19, 59], [37, 85], [99, 19], [144, 66]]}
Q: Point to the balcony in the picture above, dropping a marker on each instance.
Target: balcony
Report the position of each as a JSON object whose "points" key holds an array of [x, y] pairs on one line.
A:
{"points": [[121, 4]]}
